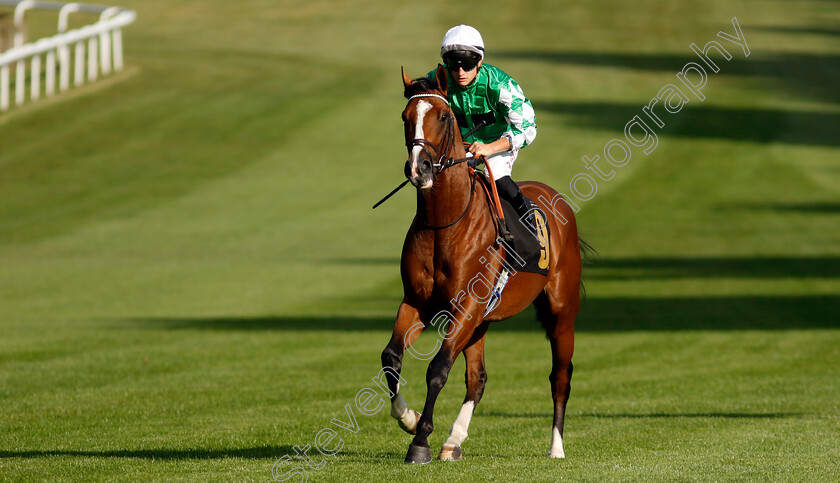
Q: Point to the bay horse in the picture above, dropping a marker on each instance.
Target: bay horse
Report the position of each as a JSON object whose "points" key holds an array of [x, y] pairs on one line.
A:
{"points": [[450, 242]]}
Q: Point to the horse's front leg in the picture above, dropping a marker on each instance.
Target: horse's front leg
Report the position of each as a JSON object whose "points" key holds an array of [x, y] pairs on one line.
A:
{"points": [[406, 330], [476, 378], [457, 338]]}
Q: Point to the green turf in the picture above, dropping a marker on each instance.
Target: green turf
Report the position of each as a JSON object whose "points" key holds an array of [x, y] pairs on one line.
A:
{"points": [[192, 281]]}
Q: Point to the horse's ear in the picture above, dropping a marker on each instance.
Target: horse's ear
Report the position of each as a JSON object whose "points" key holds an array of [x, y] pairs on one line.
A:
{"points": [[406, 79], [442, 80]]}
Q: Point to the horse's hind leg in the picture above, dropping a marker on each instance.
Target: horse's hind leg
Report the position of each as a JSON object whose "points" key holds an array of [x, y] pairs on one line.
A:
{"points": [[558, 320], [406, 330], [476, 378]]}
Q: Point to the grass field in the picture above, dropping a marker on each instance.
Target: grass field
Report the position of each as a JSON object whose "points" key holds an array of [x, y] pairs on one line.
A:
{"points": [[192, 281]]}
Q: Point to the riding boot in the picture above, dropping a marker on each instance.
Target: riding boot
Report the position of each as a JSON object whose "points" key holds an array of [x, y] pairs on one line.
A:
{"points": [[524, 211], [510, 191]]}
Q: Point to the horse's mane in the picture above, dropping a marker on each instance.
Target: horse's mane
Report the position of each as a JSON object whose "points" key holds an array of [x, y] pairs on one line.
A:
{"points": [[421, 84]]}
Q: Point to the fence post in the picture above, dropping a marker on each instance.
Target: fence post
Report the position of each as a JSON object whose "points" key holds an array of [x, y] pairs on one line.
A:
{"points": [[35, 77], [79, 64], [20, 74], [118, 49], [64, 49], [93, 58], [49, 88], [4, 88], [105, 41]]}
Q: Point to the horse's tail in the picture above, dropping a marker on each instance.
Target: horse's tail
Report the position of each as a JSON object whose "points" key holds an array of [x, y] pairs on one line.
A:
{"points": [[586, 254]]}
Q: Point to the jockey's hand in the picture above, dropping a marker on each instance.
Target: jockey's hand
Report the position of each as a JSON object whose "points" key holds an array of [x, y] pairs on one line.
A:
{"points": [[481, 149]]}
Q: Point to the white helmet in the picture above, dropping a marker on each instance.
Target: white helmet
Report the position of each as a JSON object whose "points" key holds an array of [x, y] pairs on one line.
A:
{"points": [[462, 37]]}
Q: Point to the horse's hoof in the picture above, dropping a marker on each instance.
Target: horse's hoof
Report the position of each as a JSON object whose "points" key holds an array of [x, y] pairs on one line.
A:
{"points": [[418, 454], [410, 427], [556, 453], [450, 453]]}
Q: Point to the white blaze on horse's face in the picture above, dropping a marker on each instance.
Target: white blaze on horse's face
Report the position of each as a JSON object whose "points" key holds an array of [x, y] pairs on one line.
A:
{"points": [[423, 107]]}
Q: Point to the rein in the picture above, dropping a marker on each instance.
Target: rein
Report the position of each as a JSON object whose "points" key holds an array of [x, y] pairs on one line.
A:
{"points": [[469, 202]]}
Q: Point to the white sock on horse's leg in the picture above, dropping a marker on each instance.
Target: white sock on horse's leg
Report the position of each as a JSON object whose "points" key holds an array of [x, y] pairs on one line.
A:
{"points": [[398, 406], [458, 431], [556, 450], [400, 412]]}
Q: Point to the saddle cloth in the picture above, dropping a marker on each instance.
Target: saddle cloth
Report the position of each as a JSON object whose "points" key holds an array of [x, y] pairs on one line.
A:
{"points": [[530, 250]]}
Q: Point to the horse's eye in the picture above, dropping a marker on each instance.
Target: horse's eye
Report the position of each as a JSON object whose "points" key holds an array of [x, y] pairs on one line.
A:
{"points": [[444, 116]]}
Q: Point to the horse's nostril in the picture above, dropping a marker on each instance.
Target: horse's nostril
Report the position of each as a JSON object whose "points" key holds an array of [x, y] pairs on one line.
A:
{"points": [[408, 169], [426, 167]]}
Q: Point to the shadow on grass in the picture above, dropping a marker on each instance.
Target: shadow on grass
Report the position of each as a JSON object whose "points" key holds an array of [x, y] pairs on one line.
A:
{"points": [[755, 267], [394, 261], [831, 31], [802, 74], [598, 314], [705, 122], [709, 313], [814, 208], [728, 415], [695, 415], [263, 452]]}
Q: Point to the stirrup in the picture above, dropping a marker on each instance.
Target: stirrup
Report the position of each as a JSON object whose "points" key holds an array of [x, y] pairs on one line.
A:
{"points": [[496, 294]]}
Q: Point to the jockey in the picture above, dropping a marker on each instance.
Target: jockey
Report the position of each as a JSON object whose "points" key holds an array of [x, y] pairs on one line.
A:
{"points": [[482, 94]]}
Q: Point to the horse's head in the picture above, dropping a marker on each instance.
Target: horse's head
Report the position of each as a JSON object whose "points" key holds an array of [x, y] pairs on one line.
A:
{"points": [[429, 127]]}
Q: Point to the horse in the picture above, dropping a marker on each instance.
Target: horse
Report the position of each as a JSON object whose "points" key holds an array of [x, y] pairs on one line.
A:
{"points": [[451, 241]]}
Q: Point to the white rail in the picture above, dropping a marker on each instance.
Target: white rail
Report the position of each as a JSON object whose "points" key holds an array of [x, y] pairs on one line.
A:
{"points": [[104, 51]]}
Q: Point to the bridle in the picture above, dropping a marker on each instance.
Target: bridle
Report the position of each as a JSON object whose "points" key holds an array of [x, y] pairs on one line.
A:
{"points": [[441, 150], [446, 143]]}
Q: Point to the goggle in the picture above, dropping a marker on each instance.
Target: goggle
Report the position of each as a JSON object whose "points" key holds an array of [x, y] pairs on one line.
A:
{"points": [[466, 63]]}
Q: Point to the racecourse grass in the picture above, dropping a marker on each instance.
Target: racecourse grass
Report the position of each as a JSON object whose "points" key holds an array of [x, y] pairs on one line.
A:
{"points": [[192, 282]]}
